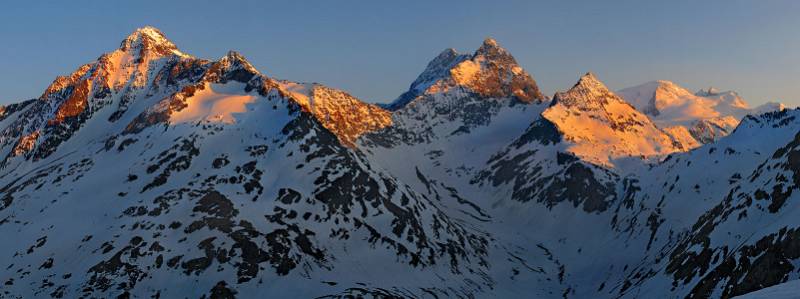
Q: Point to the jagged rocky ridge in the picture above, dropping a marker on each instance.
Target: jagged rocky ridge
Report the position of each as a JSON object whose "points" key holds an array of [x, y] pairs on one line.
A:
{"points": [[210, 168], [489, 72], [153, 173]]}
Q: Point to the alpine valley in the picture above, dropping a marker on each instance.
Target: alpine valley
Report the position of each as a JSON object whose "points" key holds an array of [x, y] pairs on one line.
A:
{"points": [[150, 173]]}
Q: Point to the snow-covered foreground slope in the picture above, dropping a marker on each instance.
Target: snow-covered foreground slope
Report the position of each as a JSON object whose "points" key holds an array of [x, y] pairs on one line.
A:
{"points": [[786, 290], [150, 172]]}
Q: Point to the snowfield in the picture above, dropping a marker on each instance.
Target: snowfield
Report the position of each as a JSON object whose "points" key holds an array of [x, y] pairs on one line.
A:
{"points": [[152, 173], [787, 290]]}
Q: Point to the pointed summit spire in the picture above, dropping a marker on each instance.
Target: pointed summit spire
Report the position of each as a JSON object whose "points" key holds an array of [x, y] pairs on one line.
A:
{"points": [[235, 61], [587, 94], [489, 43], [232, 66], [446, 57], [589, 76], [236, 58], [490, 72], [603, 127], [149, 40], [493, 51], [590, 82], [436, 70]]}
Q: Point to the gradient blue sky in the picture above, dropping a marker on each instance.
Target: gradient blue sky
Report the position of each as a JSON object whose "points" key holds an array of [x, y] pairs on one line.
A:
{"points": [[375, 49]]}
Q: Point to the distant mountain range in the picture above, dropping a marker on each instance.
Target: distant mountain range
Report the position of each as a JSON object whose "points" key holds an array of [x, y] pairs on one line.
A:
{"points": [[150, 173]]}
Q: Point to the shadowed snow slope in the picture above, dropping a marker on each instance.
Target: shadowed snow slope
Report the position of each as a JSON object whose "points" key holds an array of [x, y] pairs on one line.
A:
{"points": [[152, 173], [786, 290]]}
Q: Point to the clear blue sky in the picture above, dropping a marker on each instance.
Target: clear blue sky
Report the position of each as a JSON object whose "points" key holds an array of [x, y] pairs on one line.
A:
{"points": [[375, 49]]}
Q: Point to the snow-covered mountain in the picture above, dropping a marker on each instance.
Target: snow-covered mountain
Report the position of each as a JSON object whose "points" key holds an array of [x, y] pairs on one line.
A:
{"points": [[211, 173], [489, 72], [699, 118], [787, 290], [603, 127], [153, 173]]}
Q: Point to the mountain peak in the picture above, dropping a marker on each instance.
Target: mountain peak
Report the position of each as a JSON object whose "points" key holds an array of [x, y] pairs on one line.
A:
{"points": [[588, 94], [490, 72], [588, 86], [235, 58], [446, 57], [704, 116], [603, 126], [436, 70], [652, 97], [150, 40], [493, 51], [589, 79], [232, 66], [489, 44], [148, 31]]}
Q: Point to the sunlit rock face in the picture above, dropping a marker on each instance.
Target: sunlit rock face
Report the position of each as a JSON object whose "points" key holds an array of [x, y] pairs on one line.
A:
{"points": [[148, 71], [152, 173], [458, 93], [603, 127], [490, 72], [340, 112], [210, 172], [110, 82]]}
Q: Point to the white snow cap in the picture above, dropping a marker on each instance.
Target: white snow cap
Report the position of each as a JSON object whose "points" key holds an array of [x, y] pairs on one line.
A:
{"points": [[150, 39]]}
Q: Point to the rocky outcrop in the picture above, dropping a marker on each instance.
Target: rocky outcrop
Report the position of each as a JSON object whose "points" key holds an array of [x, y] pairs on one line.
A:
{"points": [[490, 72]]}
